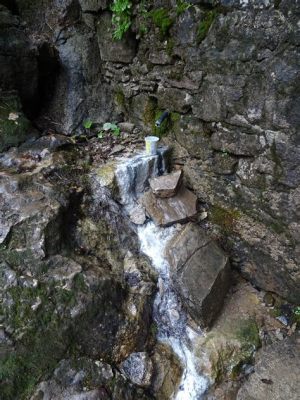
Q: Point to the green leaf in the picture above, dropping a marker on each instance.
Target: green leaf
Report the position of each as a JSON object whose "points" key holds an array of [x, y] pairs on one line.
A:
{"points": [[100, 135], [108, 126], [87, 124], [116, 132]]}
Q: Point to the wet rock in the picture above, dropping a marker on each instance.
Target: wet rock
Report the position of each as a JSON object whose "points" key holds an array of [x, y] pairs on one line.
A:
{"points": [[50, 299], [276, 374], [138, 368], [139, 275], [200, 271], [168, 371], [138, 215], [228, 349], [86, 379], [105, 175], [168, 211], [166, 185], [133, 176]]}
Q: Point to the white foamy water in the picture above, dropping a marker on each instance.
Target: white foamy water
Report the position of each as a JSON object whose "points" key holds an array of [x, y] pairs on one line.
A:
{"points": [[168, 313]]}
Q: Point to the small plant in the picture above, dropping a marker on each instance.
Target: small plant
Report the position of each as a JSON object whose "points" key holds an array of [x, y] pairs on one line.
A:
{"points": [[87, 124], [144, 15], [121, 17], [108, 126], [205, 24], [161, 19], [297, 311], [181, 6]]}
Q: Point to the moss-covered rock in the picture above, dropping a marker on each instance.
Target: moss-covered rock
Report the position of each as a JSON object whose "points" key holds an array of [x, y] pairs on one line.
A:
{"points": [[14, 126]]}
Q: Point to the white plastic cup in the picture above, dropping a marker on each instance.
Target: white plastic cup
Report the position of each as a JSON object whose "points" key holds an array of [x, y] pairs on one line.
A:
{"points": [[151, 145]]}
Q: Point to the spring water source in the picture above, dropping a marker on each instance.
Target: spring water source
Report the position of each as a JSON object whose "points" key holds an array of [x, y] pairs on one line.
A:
{"points": [[132, 175]]}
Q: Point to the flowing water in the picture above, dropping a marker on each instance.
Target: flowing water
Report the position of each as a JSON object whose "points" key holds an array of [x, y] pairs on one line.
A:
{"points": [[132, 176]]}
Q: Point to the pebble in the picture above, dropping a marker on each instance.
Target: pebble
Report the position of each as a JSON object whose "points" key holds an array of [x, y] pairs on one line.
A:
{"points": [[279, 334], [283, 320]]}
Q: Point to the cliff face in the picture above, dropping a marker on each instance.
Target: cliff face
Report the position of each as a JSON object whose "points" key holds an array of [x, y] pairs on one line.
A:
{"points": [[228, 73]]}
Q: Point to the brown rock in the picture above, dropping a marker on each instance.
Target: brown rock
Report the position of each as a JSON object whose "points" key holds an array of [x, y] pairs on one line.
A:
{"points": [[166, 185], [137, 215], [167, 372], [200, 271], [168, 211]]}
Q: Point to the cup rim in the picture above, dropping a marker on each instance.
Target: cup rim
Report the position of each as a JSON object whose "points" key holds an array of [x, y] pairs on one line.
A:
{"points": [[152, 138]]}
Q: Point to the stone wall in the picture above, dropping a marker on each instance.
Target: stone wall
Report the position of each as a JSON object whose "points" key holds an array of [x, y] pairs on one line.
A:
{"points": [[227, 71]]}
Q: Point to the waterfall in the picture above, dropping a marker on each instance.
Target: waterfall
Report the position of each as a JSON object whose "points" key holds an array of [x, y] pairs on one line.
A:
{"points": [[168, 313]]}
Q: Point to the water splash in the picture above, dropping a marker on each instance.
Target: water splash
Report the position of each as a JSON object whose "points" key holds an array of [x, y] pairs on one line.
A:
{"points": [[132, 176]]}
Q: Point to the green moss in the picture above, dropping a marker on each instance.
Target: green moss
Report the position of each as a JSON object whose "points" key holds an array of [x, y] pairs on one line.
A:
{"points": [[205, 24], [14, 125], [153, 329], [149, 112], [21, 371], [225, 218], [42, 342], [181, 6], [16, 258], [164, 127], [170, 47], [120, 99], [175, 117], [248, 333], [44, 334], [162, 20], [232, 348]]}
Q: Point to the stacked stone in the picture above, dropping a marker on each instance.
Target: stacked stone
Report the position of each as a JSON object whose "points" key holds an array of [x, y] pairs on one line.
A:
{"points": [[169, 201]]}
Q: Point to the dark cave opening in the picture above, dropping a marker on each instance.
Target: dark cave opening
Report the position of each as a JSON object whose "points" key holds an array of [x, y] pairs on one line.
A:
{"points": [[48, 71]]}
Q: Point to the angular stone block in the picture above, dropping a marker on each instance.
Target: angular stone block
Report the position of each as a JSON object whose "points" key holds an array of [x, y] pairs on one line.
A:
{"points": [[168, 211], [200, 272], [166, 185]]}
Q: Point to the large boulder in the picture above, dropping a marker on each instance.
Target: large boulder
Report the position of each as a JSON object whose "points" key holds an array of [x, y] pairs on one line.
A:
{"points": [[276, 374], [200, 272]]}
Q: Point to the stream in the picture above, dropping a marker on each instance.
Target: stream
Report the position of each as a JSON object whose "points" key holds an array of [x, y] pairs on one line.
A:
{"points": [[132, 177]]}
